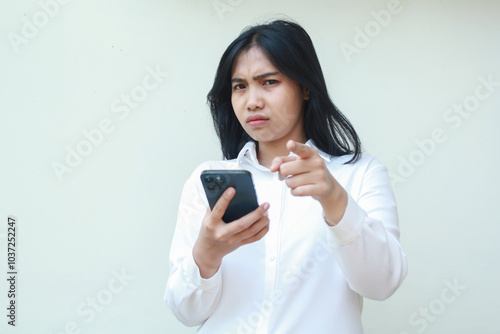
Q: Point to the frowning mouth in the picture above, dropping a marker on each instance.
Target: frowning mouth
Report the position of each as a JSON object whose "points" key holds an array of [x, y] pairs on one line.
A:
{"points": [[256, 120]]}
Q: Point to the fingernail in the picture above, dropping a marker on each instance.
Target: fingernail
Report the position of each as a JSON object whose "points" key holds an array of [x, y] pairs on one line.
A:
{"points": [[266, 206], [230, 192]]}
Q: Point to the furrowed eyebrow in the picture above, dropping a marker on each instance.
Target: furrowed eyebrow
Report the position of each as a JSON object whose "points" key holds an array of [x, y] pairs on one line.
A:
{"points": [[257, 77], [265, 75], [234, 80]]}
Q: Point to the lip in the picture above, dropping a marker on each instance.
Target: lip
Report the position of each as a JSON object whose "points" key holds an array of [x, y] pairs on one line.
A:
{"points": [[256, 120]]}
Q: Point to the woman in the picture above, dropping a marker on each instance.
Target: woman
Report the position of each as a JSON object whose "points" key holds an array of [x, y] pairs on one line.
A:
{"points": [[326, 233]]}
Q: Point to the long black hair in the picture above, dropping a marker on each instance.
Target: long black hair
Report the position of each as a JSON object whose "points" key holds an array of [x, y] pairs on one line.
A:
{"points": [[290, 49]]}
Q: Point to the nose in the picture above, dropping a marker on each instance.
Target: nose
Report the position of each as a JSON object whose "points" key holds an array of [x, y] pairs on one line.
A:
{"points": [[254, 99]]}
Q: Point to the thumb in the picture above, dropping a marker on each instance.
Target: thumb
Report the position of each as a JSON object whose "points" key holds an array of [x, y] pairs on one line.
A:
{"points": [[220, 207]]}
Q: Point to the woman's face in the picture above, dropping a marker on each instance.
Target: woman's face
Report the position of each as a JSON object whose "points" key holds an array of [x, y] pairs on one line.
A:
{"points": [[267, 103]]}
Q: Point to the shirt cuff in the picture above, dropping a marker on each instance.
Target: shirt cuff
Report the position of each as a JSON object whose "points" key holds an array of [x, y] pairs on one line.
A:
{"points": [[192, 276], [350, 225]]}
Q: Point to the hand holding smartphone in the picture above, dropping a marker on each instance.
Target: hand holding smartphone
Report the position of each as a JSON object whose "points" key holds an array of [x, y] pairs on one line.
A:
{"points": [[215, 182]]}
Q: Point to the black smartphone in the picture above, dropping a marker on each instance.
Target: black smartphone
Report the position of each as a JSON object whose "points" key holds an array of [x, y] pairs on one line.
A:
{"points": [[215, 182]]}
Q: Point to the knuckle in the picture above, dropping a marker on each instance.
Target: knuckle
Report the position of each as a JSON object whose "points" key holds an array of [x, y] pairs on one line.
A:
{"points": [[220, 209], [231, 242], [219, 235], [217, 210], [263, 221], [318, 162], [277, 161], [241, 223], [283, 169], [209, 228], [260, 235], [260, 212]]}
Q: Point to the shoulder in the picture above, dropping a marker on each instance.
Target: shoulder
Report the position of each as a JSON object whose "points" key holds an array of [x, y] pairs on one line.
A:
{"points": [[365, 160], [212, 164], [364, 166], [366, 174], [222, 164]]}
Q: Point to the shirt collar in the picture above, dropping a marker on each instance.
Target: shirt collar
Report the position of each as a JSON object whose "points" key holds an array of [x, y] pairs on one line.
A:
{"points": [[249, 152], [322, 154]]}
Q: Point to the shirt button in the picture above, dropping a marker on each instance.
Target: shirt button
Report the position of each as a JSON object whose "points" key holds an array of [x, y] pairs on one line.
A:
{"points": [[272, 258]]}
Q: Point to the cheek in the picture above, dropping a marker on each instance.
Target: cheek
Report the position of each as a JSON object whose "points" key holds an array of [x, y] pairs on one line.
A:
{"points": [[236, 109], [292, 108], [236, 103], [232, 100], [292, 99]]}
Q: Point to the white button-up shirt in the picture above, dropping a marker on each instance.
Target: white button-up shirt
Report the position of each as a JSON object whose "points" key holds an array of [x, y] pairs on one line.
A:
{"points": [[303, 276]]}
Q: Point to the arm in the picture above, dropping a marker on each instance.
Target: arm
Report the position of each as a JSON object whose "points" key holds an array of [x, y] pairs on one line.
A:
{"points": [[201, 240], [190, 297], [365, 242], [363, 233]]}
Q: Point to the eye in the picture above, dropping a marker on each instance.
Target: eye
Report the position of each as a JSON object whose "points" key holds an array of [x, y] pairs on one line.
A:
{"points": [[238, 87], [270, 82]]}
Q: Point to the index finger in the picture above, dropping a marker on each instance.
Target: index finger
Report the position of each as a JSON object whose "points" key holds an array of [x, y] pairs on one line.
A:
{"points": [[278, 161], [302, 150]]}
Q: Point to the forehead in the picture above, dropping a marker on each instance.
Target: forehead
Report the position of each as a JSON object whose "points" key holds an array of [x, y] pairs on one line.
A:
{"points": [[252, 61]]}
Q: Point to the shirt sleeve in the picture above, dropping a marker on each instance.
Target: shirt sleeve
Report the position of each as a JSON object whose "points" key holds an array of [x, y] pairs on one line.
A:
{"points": [[365, 242], [191, 298]]}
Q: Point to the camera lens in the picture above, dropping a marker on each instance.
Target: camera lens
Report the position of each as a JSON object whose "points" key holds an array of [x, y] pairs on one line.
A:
{"points": [[209, 179], [219, 180]]}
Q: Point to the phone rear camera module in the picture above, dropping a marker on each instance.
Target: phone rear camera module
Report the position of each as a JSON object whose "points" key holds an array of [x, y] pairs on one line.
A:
{"points": [[219, 180]]}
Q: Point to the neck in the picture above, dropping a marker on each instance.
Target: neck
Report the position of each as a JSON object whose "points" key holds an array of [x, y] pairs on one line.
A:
{"points": [[266, 152]]}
